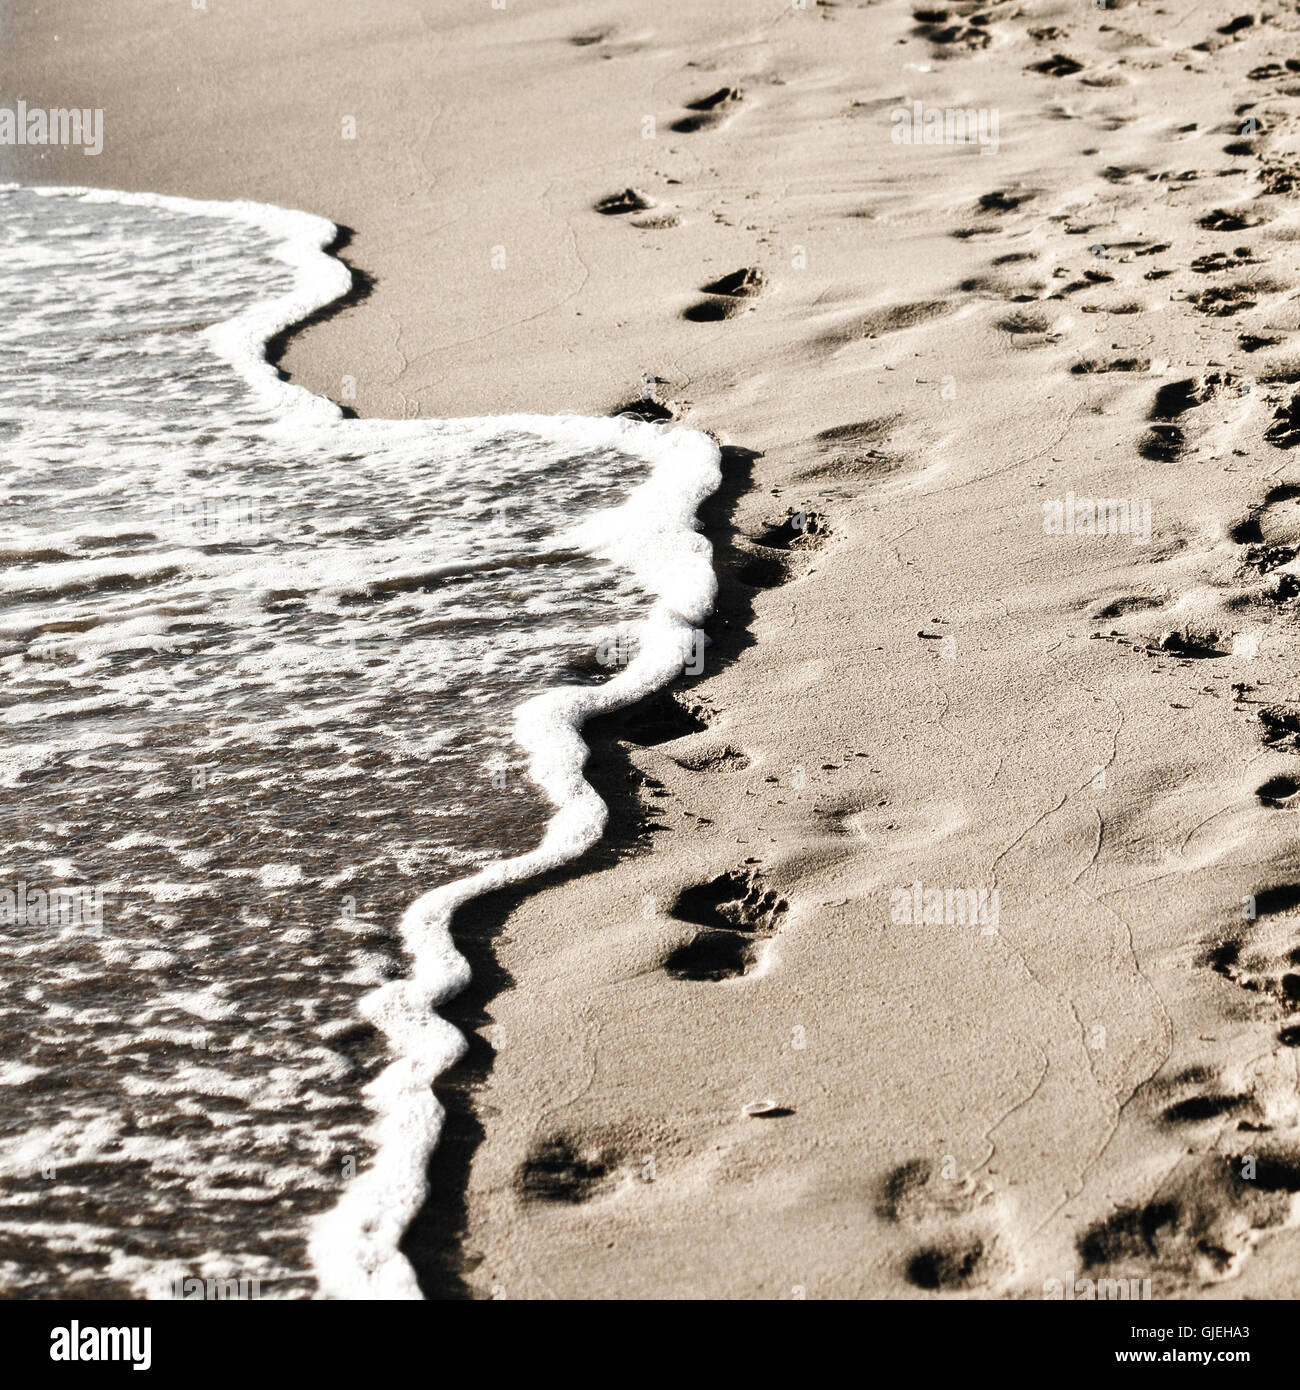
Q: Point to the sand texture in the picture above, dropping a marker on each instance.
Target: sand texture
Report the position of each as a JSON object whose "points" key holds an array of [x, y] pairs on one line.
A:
{"points": [[919, 673]]}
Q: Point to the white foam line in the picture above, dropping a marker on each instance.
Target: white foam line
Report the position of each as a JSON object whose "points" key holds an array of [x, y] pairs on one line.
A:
{"points": [[355, 1247], [300, 239]]}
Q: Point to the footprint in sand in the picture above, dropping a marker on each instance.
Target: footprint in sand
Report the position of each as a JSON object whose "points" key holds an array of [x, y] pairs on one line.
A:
{"points": [[1230, 220], [1089, 365], [1224, 301], [656, 221], [1201, 1105], [1261, 954], [1167, 439], [1129, 603], [724, 759], [663, 717], [1089, 280], [769, 560], [1240, 1169], [801, 529], [1272, 72], [1005, 200], [1203, 1222], [961, 29], [1137, 1240], [644, 212], [737, 916], [572, 1167], [957, 1255], [728, 295], [648, 406], [889, 318], [1278, 180], [1279, 728], [759, 570], [1058, 65], [628, 200], [854, 452], [1030, 328], [1270, 531], [709, 112], [745, 283], [1007, 286], [1219, 261], [611, 42], [1284, 432], [920, 1190]]}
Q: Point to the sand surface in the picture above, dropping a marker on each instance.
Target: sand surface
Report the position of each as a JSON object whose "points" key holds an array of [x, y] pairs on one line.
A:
{"points": [[914, 681]]}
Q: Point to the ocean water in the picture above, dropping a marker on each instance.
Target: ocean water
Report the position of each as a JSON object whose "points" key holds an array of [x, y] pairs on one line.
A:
{"points": [[280, 689]]}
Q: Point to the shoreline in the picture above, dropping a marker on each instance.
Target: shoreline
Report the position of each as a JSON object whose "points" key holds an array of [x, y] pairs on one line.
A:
{"points": [[913, 686]]}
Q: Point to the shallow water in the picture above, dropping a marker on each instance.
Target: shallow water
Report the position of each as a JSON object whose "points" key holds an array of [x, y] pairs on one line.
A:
{"points": [[270, 675]]}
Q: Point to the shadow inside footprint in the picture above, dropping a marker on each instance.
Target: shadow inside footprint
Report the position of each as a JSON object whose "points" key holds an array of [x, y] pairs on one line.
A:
{"points": [[954, 1266], [1116, 364], [1129, 1233], [1058, 65], [628, 200], [1275, 1173], [1003, 201], [1269, 902], [1278, 791], [1189, 646], [1162, 444], [1174, 398], [711, 955], [762, 571], [733, 900], [646, 408], [562, 1169], [714, 310], [1208, 1107], [661, 719], [1128, 603]]}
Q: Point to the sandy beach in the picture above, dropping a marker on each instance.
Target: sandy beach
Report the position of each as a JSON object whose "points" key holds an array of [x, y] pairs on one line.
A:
{"points": [[944, 939]]}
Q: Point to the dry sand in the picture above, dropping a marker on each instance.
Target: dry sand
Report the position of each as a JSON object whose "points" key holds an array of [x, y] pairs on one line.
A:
{"points": [[919, 685]]}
